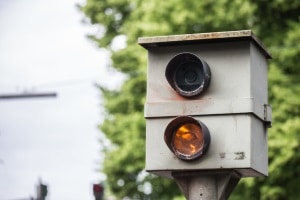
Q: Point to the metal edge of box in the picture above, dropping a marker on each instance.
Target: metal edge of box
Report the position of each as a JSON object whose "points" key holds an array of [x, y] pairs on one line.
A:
{"points": [[169, 40]]}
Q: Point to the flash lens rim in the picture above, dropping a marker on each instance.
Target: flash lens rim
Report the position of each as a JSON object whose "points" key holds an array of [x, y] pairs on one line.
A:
{"points": [[173, 127]]}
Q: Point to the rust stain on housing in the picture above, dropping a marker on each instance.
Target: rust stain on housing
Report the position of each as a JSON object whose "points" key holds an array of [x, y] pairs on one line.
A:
{"points": [[198, 36], [217, 35]]}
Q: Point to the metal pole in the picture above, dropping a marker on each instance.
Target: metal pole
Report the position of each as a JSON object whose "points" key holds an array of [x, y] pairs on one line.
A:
{"points": [[207, 185], [27, 95]]}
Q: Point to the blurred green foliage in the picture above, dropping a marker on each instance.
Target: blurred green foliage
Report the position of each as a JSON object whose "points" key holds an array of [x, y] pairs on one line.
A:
{"points": [[275, 22]]}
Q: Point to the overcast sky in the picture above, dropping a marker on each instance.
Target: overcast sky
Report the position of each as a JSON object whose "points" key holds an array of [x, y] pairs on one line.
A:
{"points": [[43, 48]]}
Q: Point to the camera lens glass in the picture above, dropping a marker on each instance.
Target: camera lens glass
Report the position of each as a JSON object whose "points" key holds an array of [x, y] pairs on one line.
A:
{"points": [[189, 76]]}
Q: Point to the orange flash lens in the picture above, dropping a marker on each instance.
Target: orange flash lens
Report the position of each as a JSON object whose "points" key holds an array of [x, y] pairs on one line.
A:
{"points": [[188, 139]]}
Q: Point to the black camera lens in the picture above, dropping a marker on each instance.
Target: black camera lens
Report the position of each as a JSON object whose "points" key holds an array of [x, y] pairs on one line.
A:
{"points": [[188, 74]]}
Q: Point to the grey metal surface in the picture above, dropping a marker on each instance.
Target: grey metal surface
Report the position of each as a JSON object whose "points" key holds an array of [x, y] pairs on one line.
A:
{"points": [[237, 142], [207, 185]]}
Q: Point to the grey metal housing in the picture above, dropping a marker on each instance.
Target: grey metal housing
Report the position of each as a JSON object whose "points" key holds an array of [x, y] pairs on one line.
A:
{"points": [[234, 107]]}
